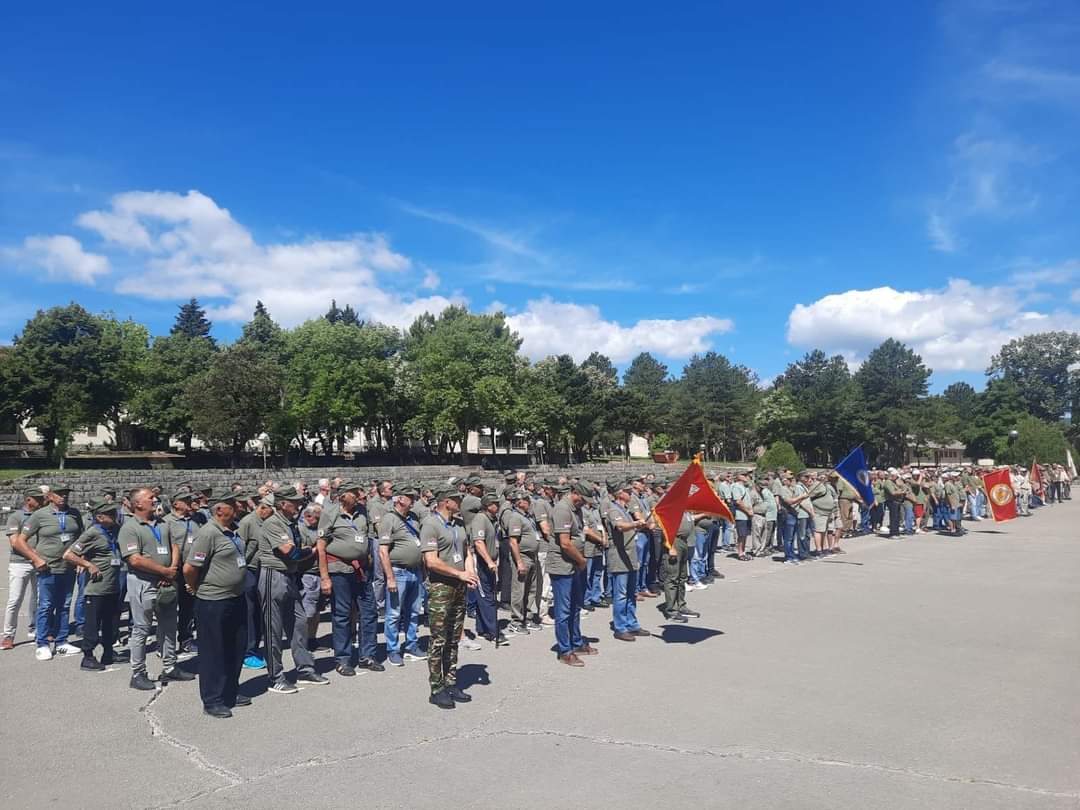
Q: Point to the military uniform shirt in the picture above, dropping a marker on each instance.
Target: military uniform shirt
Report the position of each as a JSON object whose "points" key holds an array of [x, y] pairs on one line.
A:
{"points": [[758, 504], [685, 532], [740, 492], [347, 538], [447, 540], [181, 531], [567, 520], [16, 520], [421, 510], [50, 532], [803, 509], [622, 552], [96, 545], [482, 530], [590, 519], [219, 554], [542, 511], [401, 538], [772, 504], [523, 528], [823, 497], [309, 536], [278, 530], [250, 529], [147, 539], [470, 508]]}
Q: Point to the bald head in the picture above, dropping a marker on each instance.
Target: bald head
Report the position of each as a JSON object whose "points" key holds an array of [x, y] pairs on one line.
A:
{"points": [[142, 502]]}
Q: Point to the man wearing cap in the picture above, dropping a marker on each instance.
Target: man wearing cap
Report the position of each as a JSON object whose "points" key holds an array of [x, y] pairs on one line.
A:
{"points": [[22, 579], [377, 506], [743, 511], [97, 552], [566, 566], [622, 563], [675, 565], [524, 538], [400, 558], [470, 503], [345, 568], [181, 528], [542, 508], [596, 543], [893, 491], [43, 538], [484, 540], [282, 556], [215, 571], [451, 570], [763, 521], [788, 509], [249, 530], [954, 497], [309, 581]]}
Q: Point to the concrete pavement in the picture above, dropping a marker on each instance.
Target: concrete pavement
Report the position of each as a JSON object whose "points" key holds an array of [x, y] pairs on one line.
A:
{"points": [[921, 673]]}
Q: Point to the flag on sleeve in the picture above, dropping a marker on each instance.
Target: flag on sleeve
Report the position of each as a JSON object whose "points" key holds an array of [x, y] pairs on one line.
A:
{"points": [[999, 493], [691, 493], [856, 472]]}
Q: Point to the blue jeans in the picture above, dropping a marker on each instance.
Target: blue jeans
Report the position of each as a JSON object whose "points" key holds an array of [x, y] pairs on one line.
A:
{"points": [[80, 599], [909, 518], [624, 604], [725, 534], [643, 543], [348, 592], [403, 607], [787, 533], [699, 563], [54, 607], [980, 503], [803, 527], [594, 592], [568, 592]]}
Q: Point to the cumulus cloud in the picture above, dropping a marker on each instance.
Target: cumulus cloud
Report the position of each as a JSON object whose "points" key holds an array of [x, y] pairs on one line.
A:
{"points": [[189, 245], [551, 327], [61, 257], [957, 328]]}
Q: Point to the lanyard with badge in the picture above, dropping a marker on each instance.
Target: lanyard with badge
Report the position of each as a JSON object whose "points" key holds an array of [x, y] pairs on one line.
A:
{"points": [[412, 531], [65, 535], [114, 547], [162, 550], [532, 522], [456, 541], [357, 536], [241, 561]]}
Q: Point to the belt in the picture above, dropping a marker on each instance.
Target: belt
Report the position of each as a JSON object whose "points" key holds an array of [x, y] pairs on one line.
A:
{"points": [[354, 564]]}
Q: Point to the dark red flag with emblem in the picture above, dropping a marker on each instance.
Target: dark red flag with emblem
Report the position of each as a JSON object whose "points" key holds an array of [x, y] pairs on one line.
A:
{"points": [[999, 493], [691, 493]]}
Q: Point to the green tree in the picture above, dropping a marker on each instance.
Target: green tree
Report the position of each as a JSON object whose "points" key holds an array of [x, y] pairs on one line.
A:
{"points": [[713, 403], [1036, 440], [191, 321], [963, 399], [934, 422], [826, 401], [57, 375], [780, 455], [128, 343], [998, 411], [775, 416], [648, 378], [263, 334], [626, 415], [891, 382], [234, 398], [1039, 365]]}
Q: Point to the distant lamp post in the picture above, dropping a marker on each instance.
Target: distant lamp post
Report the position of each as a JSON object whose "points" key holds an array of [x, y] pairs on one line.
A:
{"points": [[539, 451], [1013, 435], [701, 447], [264, 440]]}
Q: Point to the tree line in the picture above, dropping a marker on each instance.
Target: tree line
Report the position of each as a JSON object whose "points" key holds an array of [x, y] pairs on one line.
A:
{"points": [[311, 387]]}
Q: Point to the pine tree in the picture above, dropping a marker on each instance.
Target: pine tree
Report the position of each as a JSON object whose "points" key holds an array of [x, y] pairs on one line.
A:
{"points": [[191, 321]]}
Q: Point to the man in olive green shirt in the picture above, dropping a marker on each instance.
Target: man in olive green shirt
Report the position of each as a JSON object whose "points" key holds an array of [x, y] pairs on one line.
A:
{"points": [[524, 537], [566, 566], [484, 541], [400, 558], [214, 573], [181, 528], [97, 552]]}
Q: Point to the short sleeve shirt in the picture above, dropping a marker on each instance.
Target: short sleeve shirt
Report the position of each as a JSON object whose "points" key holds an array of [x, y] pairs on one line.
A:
{"points": [[98, 546], [447, 540], [277, 531], [16, 520], [181, 531], [219, 555], [148, 539], [803, 510], [740, 493], [250, 529], [622, 553], [542, 511], [470, 508], [347, 538], [482, 530], [590, 519], [402, 537], [50, 532], [567, 520], [685, 534], [523, 528]]}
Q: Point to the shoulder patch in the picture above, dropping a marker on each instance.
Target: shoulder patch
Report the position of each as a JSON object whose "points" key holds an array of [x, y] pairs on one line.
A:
{"points": [[199, 556]]}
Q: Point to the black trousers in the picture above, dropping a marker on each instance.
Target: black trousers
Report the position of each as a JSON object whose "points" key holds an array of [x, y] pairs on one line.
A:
{"points": [[253, 620], [99, 625], [185, 620], [894, 517], [222, 646]]}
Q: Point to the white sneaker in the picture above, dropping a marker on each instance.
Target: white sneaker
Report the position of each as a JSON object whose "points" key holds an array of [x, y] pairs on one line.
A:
{"points": [[31, 633], [43, 653], [470, 644], [68, 649]]}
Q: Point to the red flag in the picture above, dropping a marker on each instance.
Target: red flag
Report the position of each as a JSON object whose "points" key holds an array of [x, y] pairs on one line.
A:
{"points": [[691, 493], [1035, 477], [999, 493]]}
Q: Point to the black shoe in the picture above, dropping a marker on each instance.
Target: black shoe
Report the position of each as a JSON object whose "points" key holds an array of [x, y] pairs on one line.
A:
{"points": [[457, 695], [675, 617], [370, 663], [242, 700], [217, 711], [708, 580], [641, 632], [690, 614], [604, 603], [91, 664], [589, 608], [175, 674], [346, 669], [142, 683], [311, 679], [441, 699]]}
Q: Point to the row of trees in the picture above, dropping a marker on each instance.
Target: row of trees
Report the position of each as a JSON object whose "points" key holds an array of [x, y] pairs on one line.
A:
{"points": [[313, 386]]}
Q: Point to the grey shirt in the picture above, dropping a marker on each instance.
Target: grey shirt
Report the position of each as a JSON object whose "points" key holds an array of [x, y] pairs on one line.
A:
{"points": [[566, 520], [219, 553]]}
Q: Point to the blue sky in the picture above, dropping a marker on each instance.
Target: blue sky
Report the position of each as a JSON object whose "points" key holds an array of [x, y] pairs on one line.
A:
{"points": [[757, 180]]}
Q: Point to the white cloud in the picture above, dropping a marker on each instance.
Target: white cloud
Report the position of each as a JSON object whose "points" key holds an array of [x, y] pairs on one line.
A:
{"points": [[431, 280], [501, 239], [189, 245], [552, 327], [956, 328], [940, 233], [62, 258]]}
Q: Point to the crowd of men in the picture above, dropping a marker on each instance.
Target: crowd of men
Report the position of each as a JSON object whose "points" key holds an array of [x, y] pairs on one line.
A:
{"points": [[233, 577]]}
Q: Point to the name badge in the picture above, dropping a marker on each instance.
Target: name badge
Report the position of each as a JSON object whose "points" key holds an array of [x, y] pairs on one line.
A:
{"points": [[359, 538], [241, 562], [115, 563], [65, 537], [417, 541], [457, 558], [162, 550]]}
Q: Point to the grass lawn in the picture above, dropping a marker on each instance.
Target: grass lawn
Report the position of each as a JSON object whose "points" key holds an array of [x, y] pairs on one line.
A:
{"points": [[9, 475]]}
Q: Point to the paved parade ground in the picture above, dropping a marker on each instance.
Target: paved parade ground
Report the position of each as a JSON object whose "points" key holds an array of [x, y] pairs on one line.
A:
{"points": [[919, 673]]}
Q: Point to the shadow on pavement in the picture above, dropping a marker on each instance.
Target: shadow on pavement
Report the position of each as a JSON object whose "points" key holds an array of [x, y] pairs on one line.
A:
{"points": [[686, 634]]}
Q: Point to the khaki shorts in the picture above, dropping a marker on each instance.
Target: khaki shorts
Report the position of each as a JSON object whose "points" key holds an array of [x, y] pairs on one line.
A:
{"points": [[823, 523]]}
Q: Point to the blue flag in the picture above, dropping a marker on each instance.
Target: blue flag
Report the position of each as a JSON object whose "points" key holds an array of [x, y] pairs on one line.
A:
{"points": [[855, 471]]}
